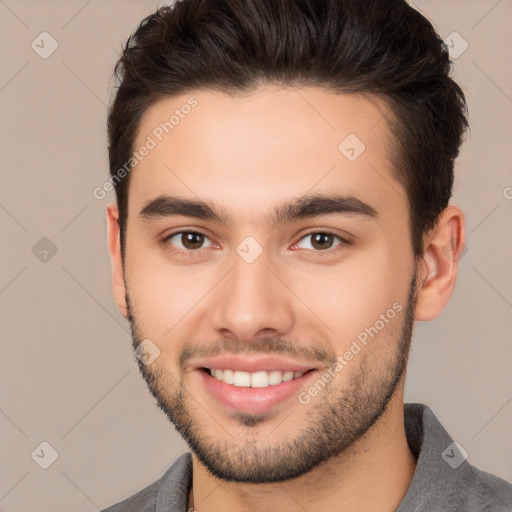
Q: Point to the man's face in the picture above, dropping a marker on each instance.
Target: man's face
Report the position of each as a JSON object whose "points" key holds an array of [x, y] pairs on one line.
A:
{"points": [[264, 295]]}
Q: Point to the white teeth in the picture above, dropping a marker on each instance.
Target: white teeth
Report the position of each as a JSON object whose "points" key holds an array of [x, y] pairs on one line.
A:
{"points": [[261, 379], [287, 376], [228, 376], [242, 379], [275, 377]]}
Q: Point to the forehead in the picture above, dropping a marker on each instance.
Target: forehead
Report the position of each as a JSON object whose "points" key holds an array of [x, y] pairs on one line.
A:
{"points": [[249, 152]]}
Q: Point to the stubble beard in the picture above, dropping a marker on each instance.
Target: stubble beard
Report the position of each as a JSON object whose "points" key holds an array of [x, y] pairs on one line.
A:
{"points": [[336, 419]]}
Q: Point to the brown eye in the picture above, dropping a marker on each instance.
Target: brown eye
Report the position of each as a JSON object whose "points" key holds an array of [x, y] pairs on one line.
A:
{"points": [[322, 241], [192, 240], [187, 240]]}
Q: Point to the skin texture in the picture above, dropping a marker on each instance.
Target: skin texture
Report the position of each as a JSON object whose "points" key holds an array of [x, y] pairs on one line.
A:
{"points": [[298, 300]]}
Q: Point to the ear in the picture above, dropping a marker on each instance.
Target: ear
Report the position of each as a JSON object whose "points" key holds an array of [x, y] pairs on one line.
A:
{"points": [[438, 267], [114, 245]]}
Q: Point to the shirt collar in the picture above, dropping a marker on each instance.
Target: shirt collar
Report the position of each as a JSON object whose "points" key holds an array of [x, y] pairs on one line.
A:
{"points": [[428, 440]]}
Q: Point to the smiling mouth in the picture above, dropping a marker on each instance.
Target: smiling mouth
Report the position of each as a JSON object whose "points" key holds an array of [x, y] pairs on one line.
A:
{"points": [[259, 379]]}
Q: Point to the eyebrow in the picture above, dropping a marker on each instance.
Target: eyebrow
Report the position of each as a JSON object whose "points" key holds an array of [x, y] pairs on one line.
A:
{"points": [[300, 208]]}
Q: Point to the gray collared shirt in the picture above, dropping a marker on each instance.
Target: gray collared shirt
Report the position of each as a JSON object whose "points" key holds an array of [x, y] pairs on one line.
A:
{"points": [[443, 480]]}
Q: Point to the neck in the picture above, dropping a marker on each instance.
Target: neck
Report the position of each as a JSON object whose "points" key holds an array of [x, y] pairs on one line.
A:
{"points": [[372, 474]]}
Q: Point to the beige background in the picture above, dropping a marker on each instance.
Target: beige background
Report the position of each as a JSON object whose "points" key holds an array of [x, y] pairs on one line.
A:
{"points": [[67, 373]]}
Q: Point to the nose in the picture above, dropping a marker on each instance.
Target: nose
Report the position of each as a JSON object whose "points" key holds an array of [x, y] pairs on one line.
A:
{"points": [[252, 302]]}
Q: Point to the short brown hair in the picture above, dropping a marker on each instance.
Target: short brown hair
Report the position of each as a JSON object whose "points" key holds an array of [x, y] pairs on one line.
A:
{"points": [[381, 47]]}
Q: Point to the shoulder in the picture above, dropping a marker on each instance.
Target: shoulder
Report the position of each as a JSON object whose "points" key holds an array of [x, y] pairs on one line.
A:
{"points": [[171, 488], [143, 501], [470, 490], [483, 492], [444, 479]]}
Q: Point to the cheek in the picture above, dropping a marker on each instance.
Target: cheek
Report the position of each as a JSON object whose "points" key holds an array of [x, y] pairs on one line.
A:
{"points": [[350, 298], [162, 295]]}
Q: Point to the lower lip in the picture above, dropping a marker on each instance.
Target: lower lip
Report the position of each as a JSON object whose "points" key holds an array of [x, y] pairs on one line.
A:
{"points": [[253, 400]]}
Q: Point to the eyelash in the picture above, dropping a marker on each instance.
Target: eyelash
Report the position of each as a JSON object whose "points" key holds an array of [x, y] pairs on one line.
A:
{"points": [[167, 245]]}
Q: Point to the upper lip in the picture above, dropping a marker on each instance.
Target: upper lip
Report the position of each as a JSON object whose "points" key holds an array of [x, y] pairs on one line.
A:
{"points": [[253, 364]]}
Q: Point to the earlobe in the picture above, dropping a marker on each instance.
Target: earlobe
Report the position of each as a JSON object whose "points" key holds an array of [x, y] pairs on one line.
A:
{"points": [[114, 245], [438, 268]]}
